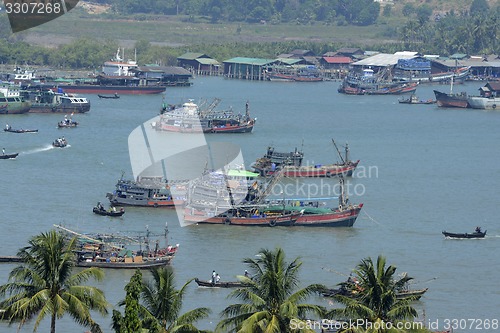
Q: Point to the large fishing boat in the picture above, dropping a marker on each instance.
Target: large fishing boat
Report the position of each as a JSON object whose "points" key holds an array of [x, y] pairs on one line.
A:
{"points": [[489, 98], [11, 102], [291, 164], [369, 83], [452, 100], [192, 118], [49, 100], [146, 192], [121, 251]]}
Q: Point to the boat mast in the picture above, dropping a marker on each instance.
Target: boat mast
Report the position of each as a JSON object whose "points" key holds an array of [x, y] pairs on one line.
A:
{"points": [[343, 198], [338, 151]]}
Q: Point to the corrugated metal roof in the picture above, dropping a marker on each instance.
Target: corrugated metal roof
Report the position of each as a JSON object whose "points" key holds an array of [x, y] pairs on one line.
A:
{"points": [[382, 60], [208, 61], [289, 61], [338, 60], [191, 56], [250, 61]]}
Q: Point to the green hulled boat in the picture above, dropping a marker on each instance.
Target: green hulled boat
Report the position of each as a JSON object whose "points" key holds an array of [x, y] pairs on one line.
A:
{"points": [[11, 101]]}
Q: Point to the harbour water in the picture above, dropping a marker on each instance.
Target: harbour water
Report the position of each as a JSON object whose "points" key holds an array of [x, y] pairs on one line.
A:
{"points": [[423, 170]]}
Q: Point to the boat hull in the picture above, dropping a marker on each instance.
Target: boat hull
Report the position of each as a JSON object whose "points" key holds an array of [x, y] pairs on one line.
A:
{"points": [[344, 218], [8, 156], [122, 90], [15, 108], [191, 216], [126, 265], [209, 284], [464, 235], [330, 170], [67, 109], [484, 103], [451, 100]]}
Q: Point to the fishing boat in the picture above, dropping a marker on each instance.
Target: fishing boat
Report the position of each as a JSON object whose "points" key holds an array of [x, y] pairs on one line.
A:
{"points": [[115, 96], [476, 234], [99, 210], [370, 83], [291, 164], [118, 251], [193, 118], [451, 100], [314, 214], [220, 284], [489, 98], [67, 123], [47, 99], [9, 129], [146, 192], [60, 143], [11, 101], [415, 294], [8, 156], [413, 99]]}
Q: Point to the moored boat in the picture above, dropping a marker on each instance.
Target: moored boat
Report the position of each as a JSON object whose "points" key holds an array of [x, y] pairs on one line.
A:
{"points": [[453, 100], [145, 192], [115, 96], [116, 251], [291, 165], [47, 99], [11, 102], [489, 98]]}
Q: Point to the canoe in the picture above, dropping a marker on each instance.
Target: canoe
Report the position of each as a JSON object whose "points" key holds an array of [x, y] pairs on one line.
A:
{"points": [[8, 156], [465, 235], [209, 284], [21, 130]]}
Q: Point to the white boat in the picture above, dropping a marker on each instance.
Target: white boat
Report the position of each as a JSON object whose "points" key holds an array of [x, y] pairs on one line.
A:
{"points": [[485, 103]]}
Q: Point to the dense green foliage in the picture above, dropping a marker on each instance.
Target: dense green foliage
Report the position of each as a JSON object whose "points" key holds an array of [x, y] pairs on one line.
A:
{"points": [[374, 299], [360, 12], [271, 299], [473, 32], [155, 306], [44, 286]]}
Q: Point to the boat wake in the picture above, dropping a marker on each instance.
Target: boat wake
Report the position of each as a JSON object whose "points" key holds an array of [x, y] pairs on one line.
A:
{"points": [[39, 150]]}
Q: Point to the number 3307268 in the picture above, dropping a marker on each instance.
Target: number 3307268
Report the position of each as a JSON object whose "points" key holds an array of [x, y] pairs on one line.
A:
{"points": [[33, 8]]}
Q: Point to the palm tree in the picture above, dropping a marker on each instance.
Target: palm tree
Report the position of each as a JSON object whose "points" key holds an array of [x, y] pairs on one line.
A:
{"points": [[45, 286], [162, 304], [375, 299], [271, 301]]}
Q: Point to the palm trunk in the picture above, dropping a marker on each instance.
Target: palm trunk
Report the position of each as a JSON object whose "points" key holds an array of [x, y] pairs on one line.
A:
{"points": [[53, 323]]}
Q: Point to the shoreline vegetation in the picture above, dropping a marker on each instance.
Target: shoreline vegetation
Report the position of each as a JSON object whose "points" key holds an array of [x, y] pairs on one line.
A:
{"points": [[80, 40]]}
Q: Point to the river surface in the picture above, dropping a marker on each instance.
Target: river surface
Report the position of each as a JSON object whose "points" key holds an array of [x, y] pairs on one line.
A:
{"points": [[423, 170]]}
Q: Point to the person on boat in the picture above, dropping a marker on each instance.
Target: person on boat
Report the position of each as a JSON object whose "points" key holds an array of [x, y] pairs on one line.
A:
{"points": [[3, 151], [217, 278], [478, 230], [247, 274], [214, 275], [7, 127], [99, 206]]}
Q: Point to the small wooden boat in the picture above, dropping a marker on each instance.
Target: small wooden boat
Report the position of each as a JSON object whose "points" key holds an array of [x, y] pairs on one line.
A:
{"points": [[209, 284], [8, 156], [66, 124], [115, 96], [413, 99], [104, 212], [60, 143], [11, 130], [415, 293], [476, 234]]}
